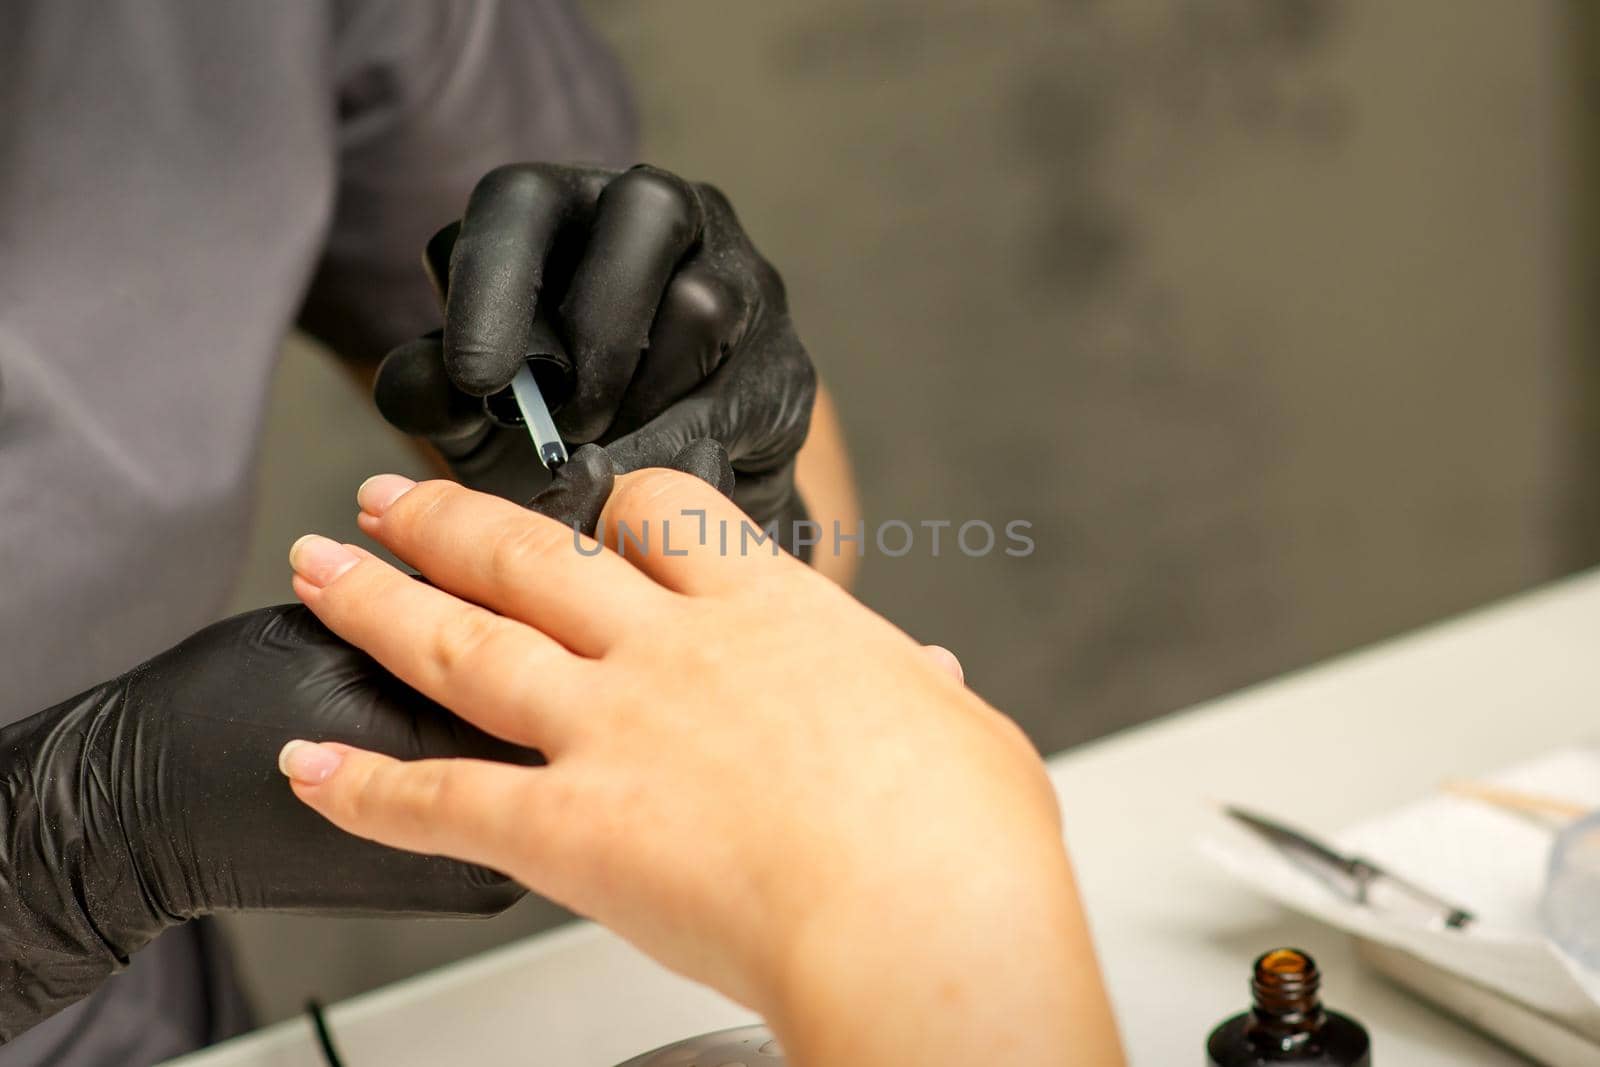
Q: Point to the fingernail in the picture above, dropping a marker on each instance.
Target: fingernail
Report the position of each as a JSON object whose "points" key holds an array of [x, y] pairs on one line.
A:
{"points": [[308, 762], [319, 560], [946, 661], [380, 491]]}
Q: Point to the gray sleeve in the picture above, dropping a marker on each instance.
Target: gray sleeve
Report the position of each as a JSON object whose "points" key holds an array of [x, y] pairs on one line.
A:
{"points": [[430, 98]]}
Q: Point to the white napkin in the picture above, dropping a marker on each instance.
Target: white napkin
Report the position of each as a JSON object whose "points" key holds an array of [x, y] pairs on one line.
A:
{"points": [[1481, 858]]}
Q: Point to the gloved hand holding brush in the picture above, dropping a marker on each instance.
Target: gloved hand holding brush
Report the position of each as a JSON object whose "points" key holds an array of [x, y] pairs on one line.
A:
{"points": [[651, 322]]}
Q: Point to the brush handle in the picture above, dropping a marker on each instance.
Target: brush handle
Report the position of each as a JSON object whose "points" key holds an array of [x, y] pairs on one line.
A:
{"points": [[1518, 801]]}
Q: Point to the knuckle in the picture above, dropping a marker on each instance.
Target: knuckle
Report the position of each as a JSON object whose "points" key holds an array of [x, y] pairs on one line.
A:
{"points": [[436, 790], [714, 198], [420, 505], [658, 194], [347, 598], [704, 306], [519, 180], [774, 292], [368, 799], [521, 551], [463, 638], [402, 796]]}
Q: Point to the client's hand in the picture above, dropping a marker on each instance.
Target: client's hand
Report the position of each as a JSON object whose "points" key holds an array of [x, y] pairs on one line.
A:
{"points": [[751, 776], [151, 799]]}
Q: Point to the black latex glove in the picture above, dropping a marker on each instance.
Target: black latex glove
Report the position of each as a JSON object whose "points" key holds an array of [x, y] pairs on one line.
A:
{"points": [[652, 321], [156, 798]]}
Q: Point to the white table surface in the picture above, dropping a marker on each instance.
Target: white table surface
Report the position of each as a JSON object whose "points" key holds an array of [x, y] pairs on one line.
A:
{"points": [[1324, 747]]}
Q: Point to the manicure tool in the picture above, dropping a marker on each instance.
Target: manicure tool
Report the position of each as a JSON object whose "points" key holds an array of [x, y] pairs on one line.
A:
{"points": [[1357, 880], [536, 416]]}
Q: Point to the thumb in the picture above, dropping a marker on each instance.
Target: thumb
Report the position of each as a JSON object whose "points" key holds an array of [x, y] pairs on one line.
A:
{"points": [[658, 442], [707, 460], [413, 393], [582, 485], [578, 489]]}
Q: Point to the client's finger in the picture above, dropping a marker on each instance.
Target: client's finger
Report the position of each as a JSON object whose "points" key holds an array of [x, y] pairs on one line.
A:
{"points": [[509, 559], [686, 535], [945, 660], [507, 678], [473, 810]]}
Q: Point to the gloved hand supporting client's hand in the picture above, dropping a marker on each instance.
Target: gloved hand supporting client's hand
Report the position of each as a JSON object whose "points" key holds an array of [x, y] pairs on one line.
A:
{"points": [[155, 798]]}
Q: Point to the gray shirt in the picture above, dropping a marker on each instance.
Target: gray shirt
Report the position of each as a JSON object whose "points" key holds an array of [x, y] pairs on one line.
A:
{"points": [[179, 182]]}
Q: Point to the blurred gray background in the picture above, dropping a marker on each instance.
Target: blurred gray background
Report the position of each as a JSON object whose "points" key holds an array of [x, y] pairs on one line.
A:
{"points": [[1267, 314]]}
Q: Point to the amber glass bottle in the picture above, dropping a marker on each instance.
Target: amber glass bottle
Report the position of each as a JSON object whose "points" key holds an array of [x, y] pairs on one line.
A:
{"points": [[1287, 1023]]}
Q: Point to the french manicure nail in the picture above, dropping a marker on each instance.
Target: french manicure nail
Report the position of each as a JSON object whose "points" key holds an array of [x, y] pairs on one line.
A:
{"points": [[307, 762], [946, 661], [319, 560], [379, 492]]}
